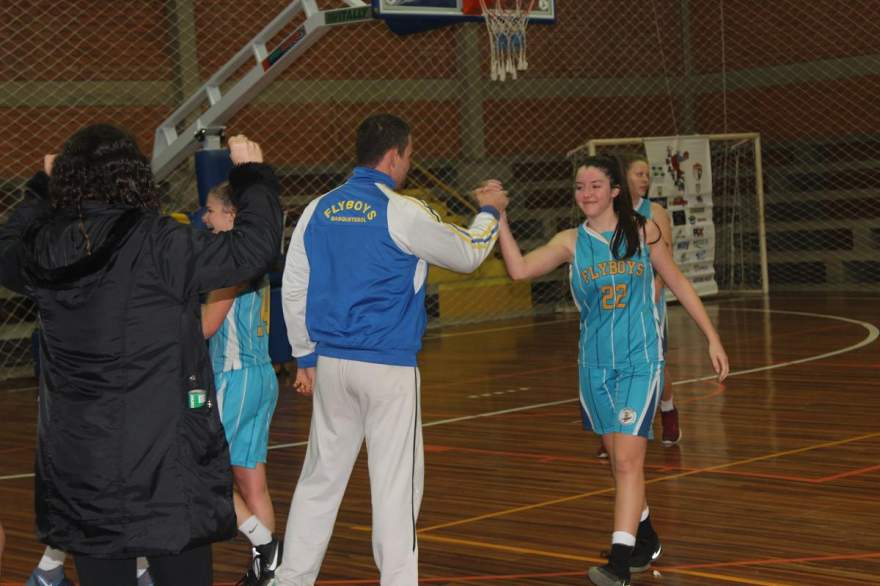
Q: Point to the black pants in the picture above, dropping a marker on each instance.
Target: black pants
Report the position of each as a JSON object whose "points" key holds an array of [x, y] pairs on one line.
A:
{"points": [[192, 567]]}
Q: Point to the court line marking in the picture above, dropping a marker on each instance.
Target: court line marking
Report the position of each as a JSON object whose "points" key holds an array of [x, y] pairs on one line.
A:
{"points": [[610, 489], [593, 461], [681, 569], [20, 389], [541, 323], [873, 334], [784, 561], [447, 579], [590, 559]]}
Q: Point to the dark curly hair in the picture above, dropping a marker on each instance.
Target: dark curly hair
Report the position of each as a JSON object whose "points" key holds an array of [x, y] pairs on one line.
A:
{"points": [[102, 163]]}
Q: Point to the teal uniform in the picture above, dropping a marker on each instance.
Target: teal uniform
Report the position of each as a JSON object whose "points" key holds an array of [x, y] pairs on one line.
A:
{"points": [[247, 388], [620, 355]]}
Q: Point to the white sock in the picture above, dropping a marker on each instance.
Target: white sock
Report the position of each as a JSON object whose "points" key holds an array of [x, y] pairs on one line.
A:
{"points": [[645, 514], [143, 565], [52, 558], [623, 538], [256, 532], [666, 405]]}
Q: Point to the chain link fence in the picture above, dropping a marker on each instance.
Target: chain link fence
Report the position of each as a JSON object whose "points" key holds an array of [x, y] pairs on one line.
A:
{"points": [[802, 74]]}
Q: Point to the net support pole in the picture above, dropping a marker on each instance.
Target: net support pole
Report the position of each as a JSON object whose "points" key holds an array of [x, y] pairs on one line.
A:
{"points": [[212, 165], [762, 231]]}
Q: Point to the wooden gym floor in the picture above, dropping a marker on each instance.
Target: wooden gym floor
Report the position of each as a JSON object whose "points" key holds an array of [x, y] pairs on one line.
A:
{"points": [[776, 480]]}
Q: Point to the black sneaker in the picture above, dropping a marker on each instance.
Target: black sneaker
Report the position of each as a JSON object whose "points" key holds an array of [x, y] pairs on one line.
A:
{"points": [[616, 571], [646, 552], [266, 560], [606, 576]]}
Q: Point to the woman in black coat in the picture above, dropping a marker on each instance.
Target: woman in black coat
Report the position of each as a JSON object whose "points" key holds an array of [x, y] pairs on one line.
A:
{"points": [[130, 462]]}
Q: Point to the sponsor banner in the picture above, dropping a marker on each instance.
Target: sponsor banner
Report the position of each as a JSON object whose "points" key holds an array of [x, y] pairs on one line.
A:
{"points": [[681, 181]]}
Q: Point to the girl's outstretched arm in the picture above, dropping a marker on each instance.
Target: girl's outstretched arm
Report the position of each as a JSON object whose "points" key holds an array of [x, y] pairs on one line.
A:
{"points": [[542, 260]]}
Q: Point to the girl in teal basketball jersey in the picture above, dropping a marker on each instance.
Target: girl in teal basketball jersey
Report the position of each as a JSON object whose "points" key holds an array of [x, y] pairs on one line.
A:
{"points": [[613, 257], [236, 323]]}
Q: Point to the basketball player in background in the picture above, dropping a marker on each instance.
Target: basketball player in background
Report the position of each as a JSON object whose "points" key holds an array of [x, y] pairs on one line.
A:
{"points": [[638, 177], [235, 321]]}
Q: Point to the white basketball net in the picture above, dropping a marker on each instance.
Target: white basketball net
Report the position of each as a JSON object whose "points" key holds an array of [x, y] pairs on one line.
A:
{"points": [[507, 36]]}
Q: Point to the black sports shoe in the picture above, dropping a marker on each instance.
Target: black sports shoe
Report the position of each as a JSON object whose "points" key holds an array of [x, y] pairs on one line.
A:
{"points": [[266, 560], [616, 571], [605, 576], [646, 552]]}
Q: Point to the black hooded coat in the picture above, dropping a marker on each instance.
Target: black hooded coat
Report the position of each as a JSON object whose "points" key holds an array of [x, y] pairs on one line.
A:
{"points": [[124, 466]]}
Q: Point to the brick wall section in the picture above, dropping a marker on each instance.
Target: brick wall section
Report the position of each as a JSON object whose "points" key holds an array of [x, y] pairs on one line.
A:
{"points": [[313, 134], [549, 127], [801, 111], [781, 32], [84, 40], [579, 46], [21, 150]]}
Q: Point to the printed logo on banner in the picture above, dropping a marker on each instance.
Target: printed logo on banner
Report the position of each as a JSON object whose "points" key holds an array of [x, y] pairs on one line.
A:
{"points": [[684, 165], [674, 159], [661, 201]]}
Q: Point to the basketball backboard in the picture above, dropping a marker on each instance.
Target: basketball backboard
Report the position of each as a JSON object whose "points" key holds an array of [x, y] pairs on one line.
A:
{"points": [[543, 11]]}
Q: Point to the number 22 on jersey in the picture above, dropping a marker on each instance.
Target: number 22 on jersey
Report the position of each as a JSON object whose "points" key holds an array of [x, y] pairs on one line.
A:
{"points": [[613, 296]]}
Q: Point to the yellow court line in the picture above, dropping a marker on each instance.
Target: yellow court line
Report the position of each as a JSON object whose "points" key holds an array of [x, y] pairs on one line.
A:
{"points": [[513, 549], [582, 558], [723, 578], [652, 481]]}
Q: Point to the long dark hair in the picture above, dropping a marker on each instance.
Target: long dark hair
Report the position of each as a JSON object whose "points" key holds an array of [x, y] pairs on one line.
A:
{"points": [[629, 222], [102, 163]]}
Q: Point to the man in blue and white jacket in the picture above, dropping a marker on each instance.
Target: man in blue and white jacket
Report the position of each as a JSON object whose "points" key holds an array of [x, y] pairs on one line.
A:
{"points": [[354, 305]]}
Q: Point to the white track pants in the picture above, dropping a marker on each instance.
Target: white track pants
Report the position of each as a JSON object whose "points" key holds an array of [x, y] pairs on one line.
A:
{"points": [[352, 401]]}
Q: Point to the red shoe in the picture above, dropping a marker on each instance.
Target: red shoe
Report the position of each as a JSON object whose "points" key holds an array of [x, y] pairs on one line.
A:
{"points": [[671, 430], [602, 452]]}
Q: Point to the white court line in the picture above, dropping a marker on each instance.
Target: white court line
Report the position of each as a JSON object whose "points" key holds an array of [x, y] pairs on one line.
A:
{"points": [[19, 390], [873, 334], [500, 329], [17, 476]]}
